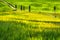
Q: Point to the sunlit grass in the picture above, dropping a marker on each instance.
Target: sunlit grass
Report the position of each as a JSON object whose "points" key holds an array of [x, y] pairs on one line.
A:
{"points": [[34, 25], [33, 18]]}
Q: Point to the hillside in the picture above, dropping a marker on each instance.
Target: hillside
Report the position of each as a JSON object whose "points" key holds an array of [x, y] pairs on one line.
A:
{"points": [[42, 6], [42, 22], [35, 0], [30, 26]]}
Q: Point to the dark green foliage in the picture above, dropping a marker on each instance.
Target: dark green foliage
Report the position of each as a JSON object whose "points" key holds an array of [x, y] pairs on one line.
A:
{"points": [[11, 31], [1, 5], [19, 31]]}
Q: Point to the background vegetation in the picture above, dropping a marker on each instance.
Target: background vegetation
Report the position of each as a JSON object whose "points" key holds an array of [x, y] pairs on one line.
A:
{"points": [[36, 5]]}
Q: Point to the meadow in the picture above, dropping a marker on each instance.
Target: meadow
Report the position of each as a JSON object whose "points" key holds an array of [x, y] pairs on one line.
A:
{"points": [[42, 23], [38, 6]]}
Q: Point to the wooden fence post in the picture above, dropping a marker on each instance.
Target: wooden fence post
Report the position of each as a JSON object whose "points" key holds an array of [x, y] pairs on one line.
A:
{"points": [[55, 10], [29, 8], [21, 7]]}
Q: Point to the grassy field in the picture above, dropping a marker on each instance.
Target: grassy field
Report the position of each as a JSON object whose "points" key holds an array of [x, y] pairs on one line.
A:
{"points": [[21, 25], [36, 6], [42, 23]]}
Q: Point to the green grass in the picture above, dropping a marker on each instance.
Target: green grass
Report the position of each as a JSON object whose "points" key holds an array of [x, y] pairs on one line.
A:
{"points": [[12, 30], [37, 6], [29, 30]]}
